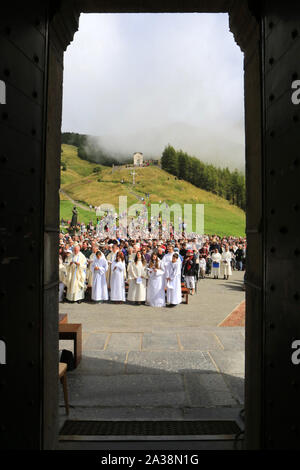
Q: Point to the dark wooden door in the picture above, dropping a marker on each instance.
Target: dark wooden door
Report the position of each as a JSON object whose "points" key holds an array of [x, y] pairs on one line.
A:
{"points": [[23, 52], [281, 377]]}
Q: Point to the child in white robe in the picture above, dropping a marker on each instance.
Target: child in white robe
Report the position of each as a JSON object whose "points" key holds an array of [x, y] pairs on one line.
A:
{"points": [[202, 265], [156, 296], [137, 275], [173, 278], [99, 287], [117, 279]]}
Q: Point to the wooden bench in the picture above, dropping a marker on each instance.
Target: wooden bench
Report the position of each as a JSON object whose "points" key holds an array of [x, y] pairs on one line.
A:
{"points": [[185, 294], [72, 331], [62, 373], [63, 318]]}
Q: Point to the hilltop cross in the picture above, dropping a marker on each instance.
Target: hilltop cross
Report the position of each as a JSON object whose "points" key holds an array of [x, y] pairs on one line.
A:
{"points": [[133, 175]]}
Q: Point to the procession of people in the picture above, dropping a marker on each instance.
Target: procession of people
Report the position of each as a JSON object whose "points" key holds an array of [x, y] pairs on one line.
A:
{"points": [[101, 269]]}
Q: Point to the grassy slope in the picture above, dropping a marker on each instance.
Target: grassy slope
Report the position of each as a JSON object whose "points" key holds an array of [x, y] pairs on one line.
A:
{"points": [[66, 212], [79, 182]]}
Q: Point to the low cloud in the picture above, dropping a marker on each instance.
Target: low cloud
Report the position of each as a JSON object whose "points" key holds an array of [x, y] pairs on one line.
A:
{"points": [[142, 81]]}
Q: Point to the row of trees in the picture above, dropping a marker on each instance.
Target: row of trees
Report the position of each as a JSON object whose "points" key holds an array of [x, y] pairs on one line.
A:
{"points": [[221, 181], [71, 138], [90, 149]]}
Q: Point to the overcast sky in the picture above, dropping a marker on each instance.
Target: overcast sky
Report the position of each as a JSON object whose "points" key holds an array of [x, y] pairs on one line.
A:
{"points": [[141, 81]]}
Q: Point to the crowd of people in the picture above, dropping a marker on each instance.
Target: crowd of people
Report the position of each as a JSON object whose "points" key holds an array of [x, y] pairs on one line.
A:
{"points": [[98, 269]]}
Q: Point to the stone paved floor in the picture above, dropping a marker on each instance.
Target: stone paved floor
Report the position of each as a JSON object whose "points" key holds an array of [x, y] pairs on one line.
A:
{"points": [[151, 363]]}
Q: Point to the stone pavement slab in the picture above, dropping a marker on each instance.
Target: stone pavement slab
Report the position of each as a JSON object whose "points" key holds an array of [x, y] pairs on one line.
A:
{"points": [[231, 339], [123, 413], [160, 342], [101, 363], [124, 342], [236, 384], [199, 340], [207, 390], [126, 391], [229, 362], [162, 362], [95, 341]]}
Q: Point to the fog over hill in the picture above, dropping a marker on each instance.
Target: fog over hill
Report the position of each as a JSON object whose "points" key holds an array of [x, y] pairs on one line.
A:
{"points": [[143, 81], [217, 147]]}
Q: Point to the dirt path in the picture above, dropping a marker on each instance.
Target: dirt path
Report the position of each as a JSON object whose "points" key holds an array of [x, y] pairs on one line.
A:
{"points": [[76, 203]]}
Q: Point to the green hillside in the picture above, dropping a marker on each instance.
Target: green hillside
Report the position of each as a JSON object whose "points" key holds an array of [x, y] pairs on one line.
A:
{"points": [[82, 184]]}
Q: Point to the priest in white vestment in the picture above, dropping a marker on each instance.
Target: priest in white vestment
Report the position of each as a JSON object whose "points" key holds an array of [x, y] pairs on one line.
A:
{"points": [[173, 278], [99, 288], [156, 296], [226, 263], [76, 275], [137, 275], [90, 261], [117, 279]]}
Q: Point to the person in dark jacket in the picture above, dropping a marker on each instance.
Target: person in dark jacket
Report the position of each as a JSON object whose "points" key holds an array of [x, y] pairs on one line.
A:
{"points": [[189, 270], [239, 258]]}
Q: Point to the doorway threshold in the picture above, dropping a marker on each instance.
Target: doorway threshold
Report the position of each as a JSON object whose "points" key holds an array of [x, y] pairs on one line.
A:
{"points": [[194, 430]]}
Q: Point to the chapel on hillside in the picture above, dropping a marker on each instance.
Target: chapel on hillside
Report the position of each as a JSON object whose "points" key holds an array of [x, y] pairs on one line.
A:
{"points": [[138, 159]]}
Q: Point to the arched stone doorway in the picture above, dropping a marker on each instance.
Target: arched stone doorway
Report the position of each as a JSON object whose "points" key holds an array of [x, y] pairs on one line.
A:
{"points": [[33, 43]]}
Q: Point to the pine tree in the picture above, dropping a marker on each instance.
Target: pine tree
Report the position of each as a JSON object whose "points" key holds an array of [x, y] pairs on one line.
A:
{"points": [[230, 185], [169, 160]]}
